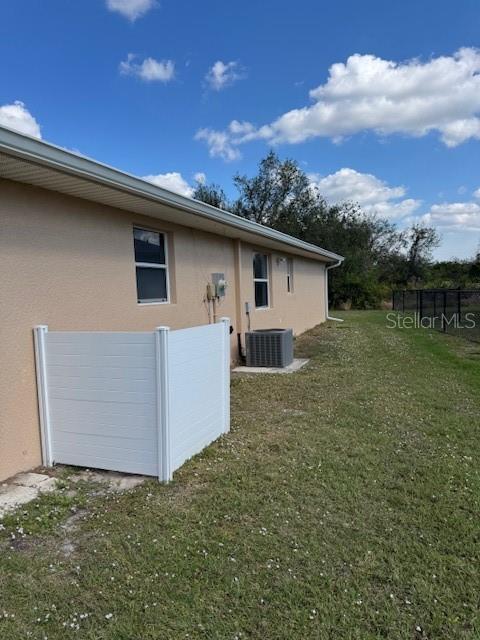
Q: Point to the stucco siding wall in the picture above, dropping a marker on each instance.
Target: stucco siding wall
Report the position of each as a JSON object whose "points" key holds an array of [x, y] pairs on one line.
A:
{"points": [[69, 263], [300, 310]]}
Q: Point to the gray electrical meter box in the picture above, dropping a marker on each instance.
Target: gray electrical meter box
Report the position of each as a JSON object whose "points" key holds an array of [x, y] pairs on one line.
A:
{"points": [[218, 279]]}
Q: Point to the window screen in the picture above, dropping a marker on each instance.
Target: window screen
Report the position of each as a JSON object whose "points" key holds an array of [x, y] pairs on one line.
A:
{"points": [[260, 280], [151, 266]]}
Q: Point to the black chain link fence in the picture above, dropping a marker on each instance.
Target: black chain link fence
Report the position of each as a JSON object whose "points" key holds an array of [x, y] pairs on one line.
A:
{"points": [[454, 311]]}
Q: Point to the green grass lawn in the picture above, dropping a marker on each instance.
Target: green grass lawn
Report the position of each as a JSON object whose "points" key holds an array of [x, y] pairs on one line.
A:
{"points": [[343, 504]]}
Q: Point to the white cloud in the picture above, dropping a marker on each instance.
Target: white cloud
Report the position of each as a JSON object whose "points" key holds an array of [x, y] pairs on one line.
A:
{"points": [[238, 128], [224, 144], [367, 93], [17, 116], [222, 74], [131, 9], [150, 70], [371, 193], [173, 181], [454, 216], [200, 177], [219, 144], [476, 194]]}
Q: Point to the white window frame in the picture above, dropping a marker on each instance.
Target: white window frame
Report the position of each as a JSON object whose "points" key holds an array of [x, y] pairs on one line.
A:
{"points": [[153, 265], [267, 279], [290, 278]]}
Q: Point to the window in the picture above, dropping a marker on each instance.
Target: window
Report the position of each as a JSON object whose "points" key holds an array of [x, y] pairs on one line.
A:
{"points": [[260, 280], [290, 275], [151, 266]]}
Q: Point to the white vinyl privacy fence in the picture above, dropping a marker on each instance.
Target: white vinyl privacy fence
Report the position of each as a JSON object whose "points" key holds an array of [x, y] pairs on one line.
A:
{"points": [[133, 402]]}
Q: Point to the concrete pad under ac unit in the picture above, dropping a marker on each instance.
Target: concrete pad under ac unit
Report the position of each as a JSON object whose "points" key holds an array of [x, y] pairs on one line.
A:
{"points": [[297, 364]]}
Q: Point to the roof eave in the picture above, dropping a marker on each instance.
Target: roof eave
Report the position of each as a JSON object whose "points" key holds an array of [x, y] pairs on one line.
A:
{"points": [[49, 155]]}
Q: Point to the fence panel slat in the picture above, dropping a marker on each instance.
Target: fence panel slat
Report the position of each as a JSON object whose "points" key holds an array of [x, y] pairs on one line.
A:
{"points": [[197, 389], [133, 402]]}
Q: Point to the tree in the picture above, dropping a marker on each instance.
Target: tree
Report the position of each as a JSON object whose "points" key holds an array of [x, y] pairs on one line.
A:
{"points": [[450, 274], [421, 240], [211, 194], [474, 270], [280, 195], [369, 245]]}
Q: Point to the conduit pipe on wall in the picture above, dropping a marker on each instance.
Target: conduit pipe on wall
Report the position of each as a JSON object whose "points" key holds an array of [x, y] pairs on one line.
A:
{"points": [[332, 266]]}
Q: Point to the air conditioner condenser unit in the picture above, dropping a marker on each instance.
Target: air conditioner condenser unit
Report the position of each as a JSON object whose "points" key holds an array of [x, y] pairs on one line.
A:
{"points": [[269, 347]]}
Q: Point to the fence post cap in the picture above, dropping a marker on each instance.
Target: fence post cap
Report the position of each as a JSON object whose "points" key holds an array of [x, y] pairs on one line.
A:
{"points": [[162, 328], [41, 327], [225, 319]]}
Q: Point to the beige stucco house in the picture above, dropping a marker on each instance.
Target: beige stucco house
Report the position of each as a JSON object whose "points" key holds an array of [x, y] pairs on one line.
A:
{"points": [[84, 246]]}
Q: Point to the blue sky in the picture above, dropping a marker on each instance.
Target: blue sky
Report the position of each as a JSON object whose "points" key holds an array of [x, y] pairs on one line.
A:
{"points": [[189, 88]]}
